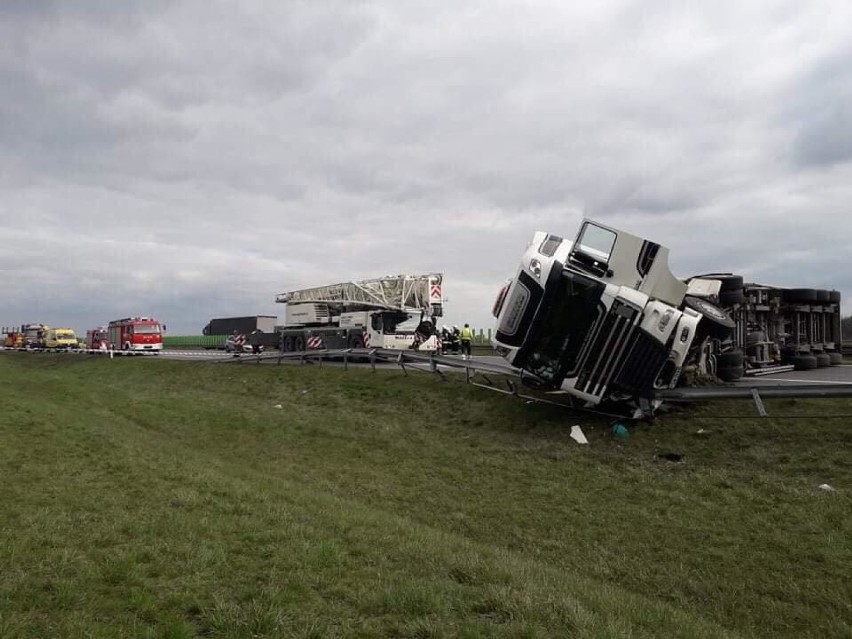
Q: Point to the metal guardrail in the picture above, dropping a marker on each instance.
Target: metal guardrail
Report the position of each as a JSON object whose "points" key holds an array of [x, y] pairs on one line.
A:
{"points": [[509, 383]]}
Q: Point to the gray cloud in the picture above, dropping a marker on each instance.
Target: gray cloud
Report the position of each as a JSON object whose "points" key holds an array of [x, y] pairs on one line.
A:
{"points": [[189, 159]]}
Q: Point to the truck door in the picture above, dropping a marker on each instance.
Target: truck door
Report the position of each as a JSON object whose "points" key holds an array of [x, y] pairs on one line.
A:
{"points": [[622, 259]]}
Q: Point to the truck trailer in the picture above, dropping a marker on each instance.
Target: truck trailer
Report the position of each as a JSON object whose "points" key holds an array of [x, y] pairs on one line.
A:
{"points": [[776, 329], [230, 327], [392, 312], [603, 318], [244, 325]]}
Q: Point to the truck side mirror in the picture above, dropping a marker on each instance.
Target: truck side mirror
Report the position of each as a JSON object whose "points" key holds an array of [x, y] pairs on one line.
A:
{"points": [[164, 328]]}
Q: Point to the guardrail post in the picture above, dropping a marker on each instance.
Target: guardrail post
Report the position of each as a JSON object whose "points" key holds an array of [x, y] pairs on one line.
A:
{"points": [[758, 402]]}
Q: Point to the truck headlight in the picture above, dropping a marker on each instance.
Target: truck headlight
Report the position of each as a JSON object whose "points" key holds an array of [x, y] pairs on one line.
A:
{"points": [[664, 320], [535, 267]]}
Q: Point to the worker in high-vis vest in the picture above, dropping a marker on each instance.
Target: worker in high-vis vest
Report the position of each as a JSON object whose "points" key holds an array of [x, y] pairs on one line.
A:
{"points": [[466, 337]]}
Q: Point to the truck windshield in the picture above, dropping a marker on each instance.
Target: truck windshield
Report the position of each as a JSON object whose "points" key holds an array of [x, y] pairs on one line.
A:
{"points": [[146, 328], [572, 310], [64, 335]]}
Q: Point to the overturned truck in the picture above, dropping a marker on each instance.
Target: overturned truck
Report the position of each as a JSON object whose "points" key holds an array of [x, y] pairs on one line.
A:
{"points": [[603, 318]]}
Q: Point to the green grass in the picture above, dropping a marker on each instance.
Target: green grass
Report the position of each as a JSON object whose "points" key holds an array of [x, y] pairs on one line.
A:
{"points": [[151, 498]]}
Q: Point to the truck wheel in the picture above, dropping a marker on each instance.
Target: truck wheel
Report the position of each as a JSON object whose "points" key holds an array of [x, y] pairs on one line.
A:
{"points": [[730, 373], [835, 359], [717, 323], [731, 298], [287, 344], [823, 360], [823, 296], [730, 359], [834, 297], [126, 346], [805, 362], [298, 343], [799, 295], [356, 341]]}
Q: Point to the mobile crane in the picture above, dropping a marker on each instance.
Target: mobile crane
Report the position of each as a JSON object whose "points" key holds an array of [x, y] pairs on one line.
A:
{"points": [[391, 312]]}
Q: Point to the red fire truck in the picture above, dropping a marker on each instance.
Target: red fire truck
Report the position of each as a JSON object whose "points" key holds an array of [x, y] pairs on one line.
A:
{"points": [[136, 334], [97, 338]]}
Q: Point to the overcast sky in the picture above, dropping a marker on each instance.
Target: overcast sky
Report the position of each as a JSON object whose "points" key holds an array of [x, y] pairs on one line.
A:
{"points": [[192, 159]]}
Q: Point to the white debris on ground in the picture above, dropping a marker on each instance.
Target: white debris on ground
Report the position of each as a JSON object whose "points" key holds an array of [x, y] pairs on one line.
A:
{"points": [[578, 436]]}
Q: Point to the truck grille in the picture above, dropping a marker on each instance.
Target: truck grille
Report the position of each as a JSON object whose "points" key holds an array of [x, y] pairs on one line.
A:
{"points": [[641, 366], [608, 349]]}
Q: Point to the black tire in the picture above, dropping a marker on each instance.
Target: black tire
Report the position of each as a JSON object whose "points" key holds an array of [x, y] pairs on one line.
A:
{"points": [[356, 341], [805, 362], [823, 360], [730, 282], [823, 295], [717, 323], [834, 297], [799, 295], [730, 359], [730, 373], [731, 298], [298, 343], [788, 354], [835, 359], [287, 344]]}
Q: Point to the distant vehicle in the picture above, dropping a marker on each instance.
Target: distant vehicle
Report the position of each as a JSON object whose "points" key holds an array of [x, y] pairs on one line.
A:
{"points": [[60, 338], [136, 334], [237, 344], [13, 338], [33, 335], [97, 338], [243, 326]]}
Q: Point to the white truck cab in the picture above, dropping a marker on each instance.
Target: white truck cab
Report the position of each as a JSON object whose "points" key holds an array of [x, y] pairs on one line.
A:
{"points": [[598, 317]]}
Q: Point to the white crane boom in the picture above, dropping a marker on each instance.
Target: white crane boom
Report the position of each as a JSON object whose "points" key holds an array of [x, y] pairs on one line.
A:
{"points": [[393, 292]]}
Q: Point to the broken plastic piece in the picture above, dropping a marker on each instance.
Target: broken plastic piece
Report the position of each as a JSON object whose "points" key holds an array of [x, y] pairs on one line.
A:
{"points": [[620, 430], [578, 436]]}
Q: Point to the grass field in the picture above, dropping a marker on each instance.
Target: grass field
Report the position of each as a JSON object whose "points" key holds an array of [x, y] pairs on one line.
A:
{"points": [[151, 498]]}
